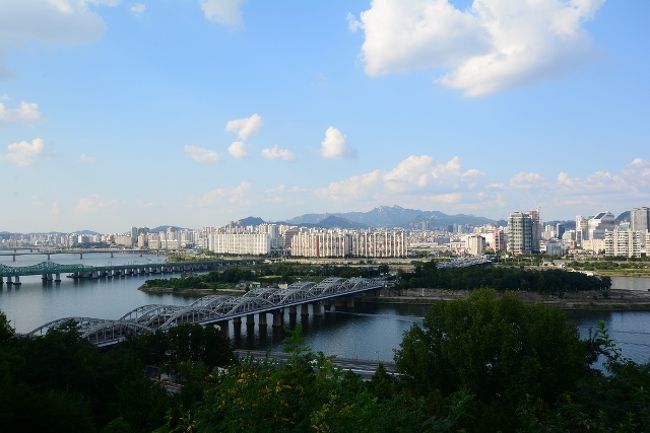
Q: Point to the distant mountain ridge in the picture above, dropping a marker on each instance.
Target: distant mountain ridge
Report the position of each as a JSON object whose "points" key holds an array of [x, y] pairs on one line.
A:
{"points": [[389, 216]]}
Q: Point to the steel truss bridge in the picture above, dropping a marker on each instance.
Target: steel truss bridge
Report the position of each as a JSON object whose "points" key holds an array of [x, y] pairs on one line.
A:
{"points": [[50, 269], [220, 310]]}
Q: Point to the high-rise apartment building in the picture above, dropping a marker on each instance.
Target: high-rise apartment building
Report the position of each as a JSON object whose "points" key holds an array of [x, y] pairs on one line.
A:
{"points": [[639, 219], [582, 230], [520, 233]]}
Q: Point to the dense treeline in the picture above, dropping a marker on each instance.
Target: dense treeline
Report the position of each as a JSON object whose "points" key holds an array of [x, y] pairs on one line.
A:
{"points": [[427, 275], [268, 273], [484, 364], [62, 383]]}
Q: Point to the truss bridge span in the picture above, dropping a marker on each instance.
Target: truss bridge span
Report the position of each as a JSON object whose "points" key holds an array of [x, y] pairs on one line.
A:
{"points": [[220, 310]]}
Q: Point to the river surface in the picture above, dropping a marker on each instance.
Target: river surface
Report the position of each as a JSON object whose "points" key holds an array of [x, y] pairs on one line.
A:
{"points": [[370, 331]]}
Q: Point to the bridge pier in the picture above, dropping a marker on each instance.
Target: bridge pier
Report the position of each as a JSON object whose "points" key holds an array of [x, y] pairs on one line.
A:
{"points": [[81, 256], [2, 281], [112, 255], [9, 282], [304, 310], [278, 319], [349, 302], [261, 318], [17, 281], [14, 257], [316, 308], [57, 278], [236, 324], [48, 257]]}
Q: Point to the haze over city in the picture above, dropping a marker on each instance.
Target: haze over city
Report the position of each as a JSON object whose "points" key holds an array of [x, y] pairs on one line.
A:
{"points": [[119, 113]]}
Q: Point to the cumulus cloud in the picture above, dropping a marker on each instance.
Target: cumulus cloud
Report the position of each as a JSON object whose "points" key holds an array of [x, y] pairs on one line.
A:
{"points": [[225, 12], [94, 203], [334, 144], [87, 159], [138, 8], [493, 45], [201, 154], [245, 127], [23, 153], [419, 171], [26, 112], [238, 150], [350, 188], [276, 152], [526, 180], [64, 22], [218, 195]]}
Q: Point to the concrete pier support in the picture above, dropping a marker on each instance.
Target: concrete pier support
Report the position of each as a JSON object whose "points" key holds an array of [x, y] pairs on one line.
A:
{"points": [[9, 282], [292, 310], [349, 302], [17, 281], [250, 320], [81, 256], [304, 310], [317, 309], [2, 281], [278, 319], [57, 278], [236, 324], [261, 317]]}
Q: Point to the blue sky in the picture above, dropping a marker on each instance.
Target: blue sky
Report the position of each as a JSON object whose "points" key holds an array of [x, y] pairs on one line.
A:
{"points": [[197, 112]]}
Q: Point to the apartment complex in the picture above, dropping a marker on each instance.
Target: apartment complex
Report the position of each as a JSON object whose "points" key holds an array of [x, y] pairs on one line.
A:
{"points": [[348, 243]]}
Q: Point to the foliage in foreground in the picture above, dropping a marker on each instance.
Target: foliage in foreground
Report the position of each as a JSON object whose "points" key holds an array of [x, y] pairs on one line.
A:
{"points": [[485, 364]]}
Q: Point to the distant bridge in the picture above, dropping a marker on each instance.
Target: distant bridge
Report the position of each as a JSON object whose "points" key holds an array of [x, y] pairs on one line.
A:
{"points": [[51, 271], [220, 310], [49, 251], [464, 262]]}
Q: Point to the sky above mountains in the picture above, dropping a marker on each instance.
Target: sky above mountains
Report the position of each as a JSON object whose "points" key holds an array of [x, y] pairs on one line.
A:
{"points": [[197, 112]]}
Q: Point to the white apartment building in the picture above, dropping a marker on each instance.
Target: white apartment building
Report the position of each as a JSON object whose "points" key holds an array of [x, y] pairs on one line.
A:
{"points": [[623, 242], [476, 245], [253, 244], [343, 243]]}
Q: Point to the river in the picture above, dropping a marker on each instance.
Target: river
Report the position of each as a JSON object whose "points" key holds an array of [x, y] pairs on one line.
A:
{"points": [[371, 331]]}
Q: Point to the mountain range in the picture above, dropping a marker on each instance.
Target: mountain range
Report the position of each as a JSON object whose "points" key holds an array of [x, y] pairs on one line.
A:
{"points": [[383, 216]]}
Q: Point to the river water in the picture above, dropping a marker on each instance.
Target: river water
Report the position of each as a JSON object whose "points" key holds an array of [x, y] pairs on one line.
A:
{"points": [[370, 331]]}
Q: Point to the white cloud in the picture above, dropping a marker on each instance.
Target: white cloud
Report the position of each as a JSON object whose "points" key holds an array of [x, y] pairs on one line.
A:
{"points": [[350, 188], [245, 127], [416, 172], [94, 203], [493, 45], [238, 150], [215, 196], [87, 159], [201, 154], [138, 8], [225, 12], [334, 144], [448, 198], [26, 112], [353, 23], [276, 152], [526, 180], [23, 153], [64, 22]]}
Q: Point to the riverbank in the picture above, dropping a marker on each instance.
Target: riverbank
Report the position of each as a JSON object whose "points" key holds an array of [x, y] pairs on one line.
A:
{"points": [[189, 292], [615, 300]]}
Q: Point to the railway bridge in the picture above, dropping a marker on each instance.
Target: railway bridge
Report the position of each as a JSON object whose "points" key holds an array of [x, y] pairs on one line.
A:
{"points": [[268, 304]]}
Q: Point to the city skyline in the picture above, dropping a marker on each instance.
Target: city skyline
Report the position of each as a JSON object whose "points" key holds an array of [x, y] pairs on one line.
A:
{"points": [[117, 113]]}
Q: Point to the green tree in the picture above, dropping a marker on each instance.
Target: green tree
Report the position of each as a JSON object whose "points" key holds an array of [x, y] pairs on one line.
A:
{"points": [[501, 351]]}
